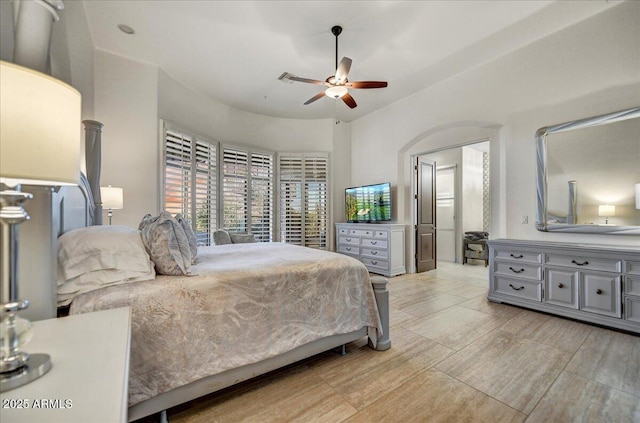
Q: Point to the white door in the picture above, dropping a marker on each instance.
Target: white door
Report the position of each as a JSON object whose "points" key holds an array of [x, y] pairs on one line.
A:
{"points": [[445, 213]]}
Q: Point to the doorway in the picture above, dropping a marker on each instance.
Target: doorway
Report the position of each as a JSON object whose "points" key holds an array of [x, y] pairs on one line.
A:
{"points": [[459, 200]]}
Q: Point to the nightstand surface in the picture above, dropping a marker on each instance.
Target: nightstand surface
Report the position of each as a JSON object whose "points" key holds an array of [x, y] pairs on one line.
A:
{"points": [[89, 377]]}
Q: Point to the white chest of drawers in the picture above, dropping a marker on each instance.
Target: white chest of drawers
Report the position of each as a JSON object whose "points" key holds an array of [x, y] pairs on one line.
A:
{"points": [[593, 283], [379, 246]]}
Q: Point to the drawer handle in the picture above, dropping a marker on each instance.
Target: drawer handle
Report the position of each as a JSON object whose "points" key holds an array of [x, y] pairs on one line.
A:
{"points": [[348, 239], [517, 289], [560, 285], [519, 256], [374, 242], [515, 270], [374, 262], [584, 263], [348, 248], [598, 291], [374, 252]]}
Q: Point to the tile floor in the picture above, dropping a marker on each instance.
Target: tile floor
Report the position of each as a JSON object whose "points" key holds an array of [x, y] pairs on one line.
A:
{"points": [[455, 357]]}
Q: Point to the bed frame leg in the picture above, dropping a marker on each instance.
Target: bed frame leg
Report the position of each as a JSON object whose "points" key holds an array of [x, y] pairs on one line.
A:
{"points": [[381, 293], [343, 350], [163, 417]]}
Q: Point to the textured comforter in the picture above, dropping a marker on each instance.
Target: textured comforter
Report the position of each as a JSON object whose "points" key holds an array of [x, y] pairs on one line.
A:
{"points": [[245, 303]]}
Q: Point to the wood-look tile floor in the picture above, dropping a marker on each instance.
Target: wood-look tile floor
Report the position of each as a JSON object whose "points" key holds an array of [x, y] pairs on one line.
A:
{"points": [[455, 357]]}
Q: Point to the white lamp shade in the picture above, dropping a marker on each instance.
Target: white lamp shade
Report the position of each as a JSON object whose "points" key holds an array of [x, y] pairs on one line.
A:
{"points": [[638, 196], [40, 130], [606, 210], [336, 92], [112, 197]]}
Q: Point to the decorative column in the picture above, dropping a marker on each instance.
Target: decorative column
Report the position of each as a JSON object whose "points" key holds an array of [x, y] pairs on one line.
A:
{"points": [[93, 157]]}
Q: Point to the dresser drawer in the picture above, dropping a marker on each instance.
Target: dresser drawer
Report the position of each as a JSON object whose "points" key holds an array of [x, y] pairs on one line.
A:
{"points": [[377, 243], [530, 290], [343, 231], [348, 240], [374, 253], [380, 234], [361, 232], [561, 287], [600, 293], [632, 309], [588, 263], [374, 262], [521, 256], [520, 270], [632, 285], [349, 249], [633, 267]]}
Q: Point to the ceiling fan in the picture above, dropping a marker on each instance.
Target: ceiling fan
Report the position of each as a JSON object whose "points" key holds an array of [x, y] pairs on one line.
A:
{"points": [[337, 85]]}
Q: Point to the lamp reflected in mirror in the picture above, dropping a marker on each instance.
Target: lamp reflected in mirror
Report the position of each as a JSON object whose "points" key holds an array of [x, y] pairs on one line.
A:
{"points": [[606, 211]]}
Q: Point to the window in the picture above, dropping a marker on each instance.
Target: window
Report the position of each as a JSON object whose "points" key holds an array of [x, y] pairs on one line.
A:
{"points": [[247, 187], [190, 180], [303, 181]]}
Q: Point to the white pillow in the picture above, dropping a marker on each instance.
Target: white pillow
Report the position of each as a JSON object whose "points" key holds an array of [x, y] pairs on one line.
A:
{"points": [[95, 256]]}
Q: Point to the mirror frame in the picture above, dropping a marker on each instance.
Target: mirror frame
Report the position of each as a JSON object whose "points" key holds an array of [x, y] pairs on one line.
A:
{"points": [[541, 182]]}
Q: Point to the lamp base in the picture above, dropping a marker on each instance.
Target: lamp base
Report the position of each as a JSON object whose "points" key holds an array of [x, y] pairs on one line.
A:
{"points": [[37, 365]]}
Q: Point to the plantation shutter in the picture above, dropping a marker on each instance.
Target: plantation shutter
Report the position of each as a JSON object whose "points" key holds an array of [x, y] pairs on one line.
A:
{"points": [[303, 182], [262, 196], [190, 181], [248, 192], [235, 171], [315, 186]]}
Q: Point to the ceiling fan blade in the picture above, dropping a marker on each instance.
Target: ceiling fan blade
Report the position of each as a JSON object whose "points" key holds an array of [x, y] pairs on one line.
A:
{"points": [[314, 98], [366, 84], [349, 101], [343, 70], [308, 81]]}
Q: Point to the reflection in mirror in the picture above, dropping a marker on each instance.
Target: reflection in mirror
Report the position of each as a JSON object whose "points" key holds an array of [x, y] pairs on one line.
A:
{"points": [[587, 175]]}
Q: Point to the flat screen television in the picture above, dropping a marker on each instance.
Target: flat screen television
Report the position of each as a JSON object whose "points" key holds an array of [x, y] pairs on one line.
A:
{"points": [[368, 203]]}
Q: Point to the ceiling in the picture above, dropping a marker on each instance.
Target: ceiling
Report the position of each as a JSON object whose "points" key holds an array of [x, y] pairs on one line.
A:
{"points": [[234, 51]]}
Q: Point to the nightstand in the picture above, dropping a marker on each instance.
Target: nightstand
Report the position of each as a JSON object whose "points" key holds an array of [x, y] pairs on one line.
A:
{"points": [[89, 377]]}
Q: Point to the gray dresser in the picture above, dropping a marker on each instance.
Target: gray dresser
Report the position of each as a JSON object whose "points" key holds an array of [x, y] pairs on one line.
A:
{"points": [[594, 283], [379, 246]]}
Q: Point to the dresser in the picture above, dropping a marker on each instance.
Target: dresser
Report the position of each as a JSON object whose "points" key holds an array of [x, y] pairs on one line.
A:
{"points": [[89, 376], [594, 283], [379, 246]]}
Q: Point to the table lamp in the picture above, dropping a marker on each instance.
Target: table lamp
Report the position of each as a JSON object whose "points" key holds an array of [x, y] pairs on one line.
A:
{"points": [[112, 199], [39, 145]]}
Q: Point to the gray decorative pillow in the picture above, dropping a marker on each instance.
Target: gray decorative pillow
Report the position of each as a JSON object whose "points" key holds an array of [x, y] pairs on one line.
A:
{"points": [[242, 238], [191, 236], [166, 243], [221, 237]]}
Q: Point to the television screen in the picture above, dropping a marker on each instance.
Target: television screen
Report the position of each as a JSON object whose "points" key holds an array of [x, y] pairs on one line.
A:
{"points": [[369, 203]]}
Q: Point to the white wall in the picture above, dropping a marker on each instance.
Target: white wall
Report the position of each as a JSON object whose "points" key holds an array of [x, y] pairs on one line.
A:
{"points": [[130, 99], [584, 70]]}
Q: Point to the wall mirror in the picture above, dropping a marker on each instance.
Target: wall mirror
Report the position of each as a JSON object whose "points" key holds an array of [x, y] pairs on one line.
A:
{"points": [[588, 177]]}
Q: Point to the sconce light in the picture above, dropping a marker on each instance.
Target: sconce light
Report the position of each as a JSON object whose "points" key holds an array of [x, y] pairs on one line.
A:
{"points": [[39, 145], [112, 199], [606, 211]]}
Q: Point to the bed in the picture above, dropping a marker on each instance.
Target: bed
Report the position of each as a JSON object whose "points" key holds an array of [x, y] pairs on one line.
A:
{"points": [[244, 310]]}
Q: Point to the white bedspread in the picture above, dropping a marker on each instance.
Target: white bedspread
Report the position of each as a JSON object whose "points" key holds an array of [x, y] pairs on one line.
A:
{"points": [[246, 303]]}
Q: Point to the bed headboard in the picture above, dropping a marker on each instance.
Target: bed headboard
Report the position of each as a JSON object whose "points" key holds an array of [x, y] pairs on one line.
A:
{"points": [[74, 207]]}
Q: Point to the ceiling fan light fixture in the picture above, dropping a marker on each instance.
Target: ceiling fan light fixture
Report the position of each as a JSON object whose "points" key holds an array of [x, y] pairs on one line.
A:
{"points": [[336, 92]]}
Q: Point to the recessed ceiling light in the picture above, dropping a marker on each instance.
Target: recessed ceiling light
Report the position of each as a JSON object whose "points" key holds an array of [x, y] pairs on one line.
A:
{"points": [[126, 29]]}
